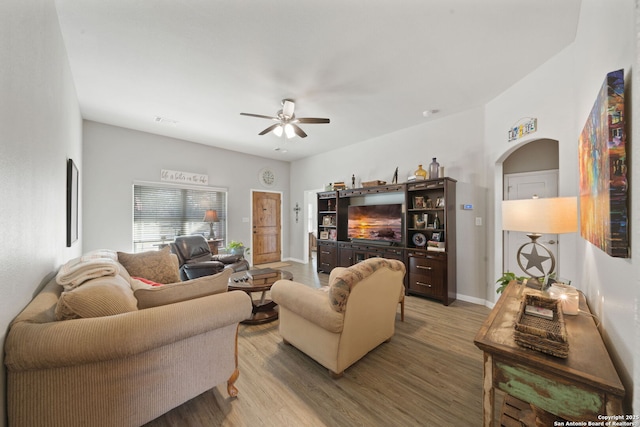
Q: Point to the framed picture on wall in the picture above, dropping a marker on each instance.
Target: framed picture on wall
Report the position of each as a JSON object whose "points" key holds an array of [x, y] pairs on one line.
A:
{"points": [[72, 202]]}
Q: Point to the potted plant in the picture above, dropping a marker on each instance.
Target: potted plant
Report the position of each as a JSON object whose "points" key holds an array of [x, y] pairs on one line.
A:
{"points": [[506, 279], [236, 248]]}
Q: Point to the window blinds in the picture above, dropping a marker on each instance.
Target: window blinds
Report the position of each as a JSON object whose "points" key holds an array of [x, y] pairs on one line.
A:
{"points": [[160, 213]]}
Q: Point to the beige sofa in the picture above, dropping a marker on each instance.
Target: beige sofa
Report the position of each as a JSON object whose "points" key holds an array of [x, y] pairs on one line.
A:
{"points": [[89, 356], [338, 324]]}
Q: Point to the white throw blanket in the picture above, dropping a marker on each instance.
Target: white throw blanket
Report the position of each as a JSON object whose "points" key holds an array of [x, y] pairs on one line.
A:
{"points": [[93, 264]]}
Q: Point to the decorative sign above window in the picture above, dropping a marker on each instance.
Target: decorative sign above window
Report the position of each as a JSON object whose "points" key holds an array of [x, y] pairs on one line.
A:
{"points": [[184, 177], [523, 127]]}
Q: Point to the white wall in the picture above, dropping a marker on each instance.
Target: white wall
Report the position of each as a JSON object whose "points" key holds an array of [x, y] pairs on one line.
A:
{"points": [[456, 142], [40, 128], [560, 94], [115, 157]]}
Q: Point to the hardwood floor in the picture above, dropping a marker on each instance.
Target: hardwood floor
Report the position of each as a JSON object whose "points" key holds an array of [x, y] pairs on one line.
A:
{"points": [[429, 374]]}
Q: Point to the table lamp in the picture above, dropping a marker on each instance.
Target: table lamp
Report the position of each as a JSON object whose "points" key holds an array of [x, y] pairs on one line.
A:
{"points": [[536, 217], [211, 216]]}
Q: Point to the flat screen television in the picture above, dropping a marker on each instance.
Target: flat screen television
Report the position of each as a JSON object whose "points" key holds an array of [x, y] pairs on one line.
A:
{"points": [[375, 222]]}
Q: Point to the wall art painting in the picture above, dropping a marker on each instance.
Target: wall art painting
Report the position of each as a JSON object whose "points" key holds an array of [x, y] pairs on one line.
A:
{"points": [[604, 189], [72, 202]]}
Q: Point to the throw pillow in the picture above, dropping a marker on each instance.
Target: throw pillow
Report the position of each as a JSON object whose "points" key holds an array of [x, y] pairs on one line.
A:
{"points": [[147, 281], [153, 296], [104, 296], [159, 266]]}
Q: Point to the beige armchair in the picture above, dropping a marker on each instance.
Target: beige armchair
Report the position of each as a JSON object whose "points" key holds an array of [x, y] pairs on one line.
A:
{"points": [[338, 324]]}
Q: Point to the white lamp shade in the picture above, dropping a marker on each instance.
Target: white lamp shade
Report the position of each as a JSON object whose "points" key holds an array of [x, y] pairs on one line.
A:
{"points": [[544, 216]]}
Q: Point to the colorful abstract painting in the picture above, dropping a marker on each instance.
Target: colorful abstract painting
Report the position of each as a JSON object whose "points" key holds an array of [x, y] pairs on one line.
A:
{"points": [[603, 171]]}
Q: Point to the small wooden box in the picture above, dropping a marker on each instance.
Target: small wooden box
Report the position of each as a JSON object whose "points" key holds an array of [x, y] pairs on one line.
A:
{"points": [[373, 183]]}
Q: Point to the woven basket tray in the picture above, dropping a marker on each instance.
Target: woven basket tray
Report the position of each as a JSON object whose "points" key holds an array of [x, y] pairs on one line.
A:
{"points": [[546, 335]]}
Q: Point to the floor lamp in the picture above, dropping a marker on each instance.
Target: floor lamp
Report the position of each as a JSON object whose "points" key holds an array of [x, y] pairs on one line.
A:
{"points": [[536, 217]]}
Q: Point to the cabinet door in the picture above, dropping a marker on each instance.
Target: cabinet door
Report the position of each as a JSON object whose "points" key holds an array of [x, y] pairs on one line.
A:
{"points": [[426, 276], [327, 256], [345, 257]]}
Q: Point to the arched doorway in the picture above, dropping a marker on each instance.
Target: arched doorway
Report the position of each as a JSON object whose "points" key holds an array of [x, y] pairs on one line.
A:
{"points": [[531, 170]]}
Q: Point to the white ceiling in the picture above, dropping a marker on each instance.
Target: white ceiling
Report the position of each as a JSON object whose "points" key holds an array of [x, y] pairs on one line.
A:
{"points": [[371, 66]]}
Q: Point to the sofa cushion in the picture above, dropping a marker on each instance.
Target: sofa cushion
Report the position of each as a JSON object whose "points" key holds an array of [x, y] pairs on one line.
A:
{"points": [[159, 266], [152, 296], [104, 296]]}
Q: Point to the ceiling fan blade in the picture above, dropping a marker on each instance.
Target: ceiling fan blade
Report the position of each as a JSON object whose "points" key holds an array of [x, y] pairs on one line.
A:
{"points": [[312, 120], [298, 131], [287, 107], [260, 116], [269, 129]]}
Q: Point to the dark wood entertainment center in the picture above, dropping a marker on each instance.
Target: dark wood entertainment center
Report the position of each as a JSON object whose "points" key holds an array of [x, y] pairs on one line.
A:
{"points": [[430, 272]]}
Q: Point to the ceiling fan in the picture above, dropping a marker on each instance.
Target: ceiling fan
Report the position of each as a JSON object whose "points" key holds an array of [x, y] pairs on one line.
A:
{"points": [[287, 121]]}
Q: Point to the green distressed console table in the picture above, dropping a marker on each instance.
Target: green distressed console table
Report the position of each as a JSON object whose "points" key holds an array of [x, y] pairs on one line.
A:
{"points": [[578, 388]]}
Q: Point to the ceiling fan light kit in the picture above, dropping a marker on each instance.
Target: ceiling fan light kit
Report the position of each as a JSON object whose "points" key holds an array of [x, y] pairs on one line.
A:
{"points": [[287, 121]]}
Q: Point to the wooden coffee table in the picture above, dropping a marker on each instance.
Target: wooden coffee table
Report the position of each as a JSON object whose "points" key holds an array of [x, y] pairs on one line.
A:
{"points": [[264, 310]]}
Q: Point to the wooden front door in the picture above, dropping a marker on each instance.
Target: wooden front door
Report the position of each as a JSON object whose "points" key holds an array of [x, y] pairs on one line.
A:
{"points": [[266, 245]]}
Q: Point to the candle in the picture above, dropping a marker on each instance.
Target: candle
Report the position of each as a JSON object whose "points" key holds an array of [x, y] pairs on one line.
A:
{"points": [[568, 295]]}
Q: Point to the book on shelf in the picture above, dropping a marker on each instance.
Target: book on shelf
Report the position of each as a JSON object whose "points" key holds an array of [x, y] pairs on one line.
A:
{"points": [[262, 273], [436, 246]]}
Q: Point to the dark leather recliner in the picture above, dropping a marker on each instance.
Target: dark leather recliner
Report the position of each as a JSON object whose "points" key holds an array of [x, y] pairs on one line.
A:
{"points": [[196, 259]]}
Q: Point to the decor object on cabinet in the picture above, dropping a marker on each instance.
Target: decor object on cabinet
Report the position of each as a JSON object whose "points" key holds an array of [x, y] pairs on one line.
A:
{"points": [[394, 180], [72, 202], [373, 183], [420, 173], [237, 248], [418, 202], [604, 187], [211, 216], [535, 217], [434, 169], [339, 185], [324, 235], [507, 278], [419, 239]]}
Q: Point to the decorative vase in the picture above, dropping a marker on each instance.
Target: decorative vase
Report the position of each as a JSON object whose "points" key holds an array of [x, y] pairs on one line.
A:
{"points": [[239, 250], [436, 222], [420, 173], [434, 167]]}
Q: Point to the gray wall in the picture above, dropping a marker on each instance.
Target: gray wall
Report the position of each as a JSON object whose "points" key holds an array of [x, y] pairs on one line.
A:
{"points": [[40, 128], [456, 142], [115, 157]]}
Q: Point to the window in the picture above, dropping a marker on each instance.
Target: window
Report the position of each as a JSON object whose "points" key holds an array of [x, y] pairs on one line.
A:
{"points": [[162, 212]]}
